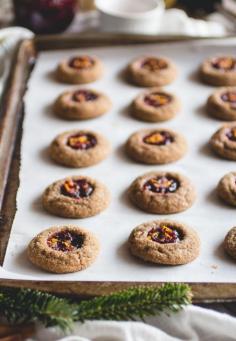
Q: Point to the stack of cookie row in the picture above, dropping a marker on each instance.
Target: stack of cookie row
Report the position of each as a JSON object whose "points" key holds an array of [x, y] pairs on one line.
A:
{"points": [[71, 248]]}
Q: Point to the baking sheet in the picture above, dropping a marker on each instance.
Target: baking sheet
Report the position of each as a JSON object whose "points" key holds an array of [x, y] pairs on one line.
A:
{"points": [[208, 216]]}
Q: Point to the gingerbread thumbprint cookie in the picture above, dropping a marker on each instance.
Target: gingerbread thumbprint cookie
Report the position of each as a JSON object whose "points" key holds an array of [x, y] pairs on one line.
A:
{"points": [[155, 105], [164, 242], [63, 249], [79, 148], [219, 71], [226, 188], [223, 142], [76, 197], [222, 104], [162, 192], [230, 243], [152, 71], [156, 146], [81, 104], [79, 69]]}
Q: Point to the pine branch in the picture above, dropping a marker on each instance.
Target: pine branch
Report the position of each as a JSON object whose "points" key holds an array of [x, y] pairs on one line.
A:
{"points": [[19, 306], [24, 305], [135, 303]]}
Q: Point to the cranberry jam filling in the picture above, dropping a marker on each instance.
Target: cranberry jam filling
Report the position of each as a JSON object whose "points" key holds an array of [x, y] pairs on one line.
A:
{"points": [[163, 185], [154, 64], [230, 97], [157, 99], [231, 134], [65, 241], [159, 138], [84, 96], [164, 234], [81, 62], [82, 141], [77, 188], [224, 63]]}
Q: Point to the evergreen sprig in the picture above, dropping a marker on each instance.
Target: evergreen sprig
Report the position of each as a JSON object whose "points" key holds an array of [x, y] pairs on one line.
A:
{"points": [[26, 305]]}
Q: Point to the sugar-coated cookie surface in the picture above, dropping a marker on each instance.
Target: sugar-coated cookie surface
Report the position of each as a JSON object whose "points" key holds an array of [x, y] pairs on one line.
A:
{"points": [[222, 104], [76, 197], [81, 104], [156, 146], [219, 71], [63, 249], [155, 105], [79, 148], [152, 71], [223, 141], [162, 192], [79, 69], [164, 242], [226, 188]]}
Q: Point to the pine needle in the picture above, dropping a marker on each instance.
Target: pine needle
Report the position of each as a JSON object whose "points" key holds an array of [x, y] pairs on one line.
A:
{"points": [[20, 306]]}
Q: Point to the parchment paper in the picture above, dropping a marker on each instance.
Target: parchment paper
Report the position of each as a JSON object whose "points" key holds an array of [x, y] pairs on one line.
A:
{"points": [[208, 216]]}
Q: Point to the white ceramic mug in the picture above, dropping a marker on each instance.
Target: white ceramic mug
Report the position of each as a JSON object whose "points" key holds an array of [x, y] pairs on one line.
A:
{"points": [[130, 16]]}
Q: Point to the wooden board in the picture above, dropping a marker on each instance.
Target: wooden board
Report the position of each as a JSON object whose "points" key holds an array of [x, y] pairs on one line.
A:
{"points": [[11, 118]]}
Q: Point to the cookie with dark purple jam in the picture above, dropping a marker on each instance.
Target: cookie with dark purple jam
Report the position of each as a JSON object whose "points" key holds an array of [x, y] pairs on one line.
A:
{"points": [[155, 105], [223, 141], [76, 197], [79, 148], [162, 192], [152, 71], [81, 104], [156, 146], [164, 242], [219, 71], [79, 69], [222, 104], [63, 249]]}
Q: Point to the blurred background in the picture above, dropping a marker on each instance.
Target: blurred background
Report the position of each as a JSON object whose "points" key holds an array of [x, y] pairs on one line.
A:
{"points": [[56, 16]]}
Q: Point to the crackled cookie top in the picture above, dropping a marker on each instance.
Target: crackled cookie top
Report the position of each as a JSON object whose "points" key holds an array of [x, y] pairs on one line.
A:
{"points": [[84, 96], [154, 64], [164, 234], [82, 141], [164, 242], [158, 138], [157, 99], [224, 63], [77, 188], [163, 185], [81, 62], [65, 241]]}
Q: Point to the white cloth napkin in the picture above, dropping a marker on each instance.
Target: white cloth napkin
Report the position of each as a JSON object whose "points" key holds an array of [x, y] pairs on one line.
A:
{"points": [[192, 324]]}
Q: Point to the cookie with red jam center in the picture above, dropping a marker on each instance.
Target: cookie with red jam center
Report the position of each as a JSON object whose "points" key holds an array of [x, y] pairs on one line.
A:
{"points": [[155, 105], [81, 62], [63, 249], [151, 71], [219, 71], [164, 242], [223, 141], [82, 141], [76, 197], [79, 148], [81, 104], [156, 146], [162, 184], [162, 192], [79, 69], [226, 188], [222, 104]]}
